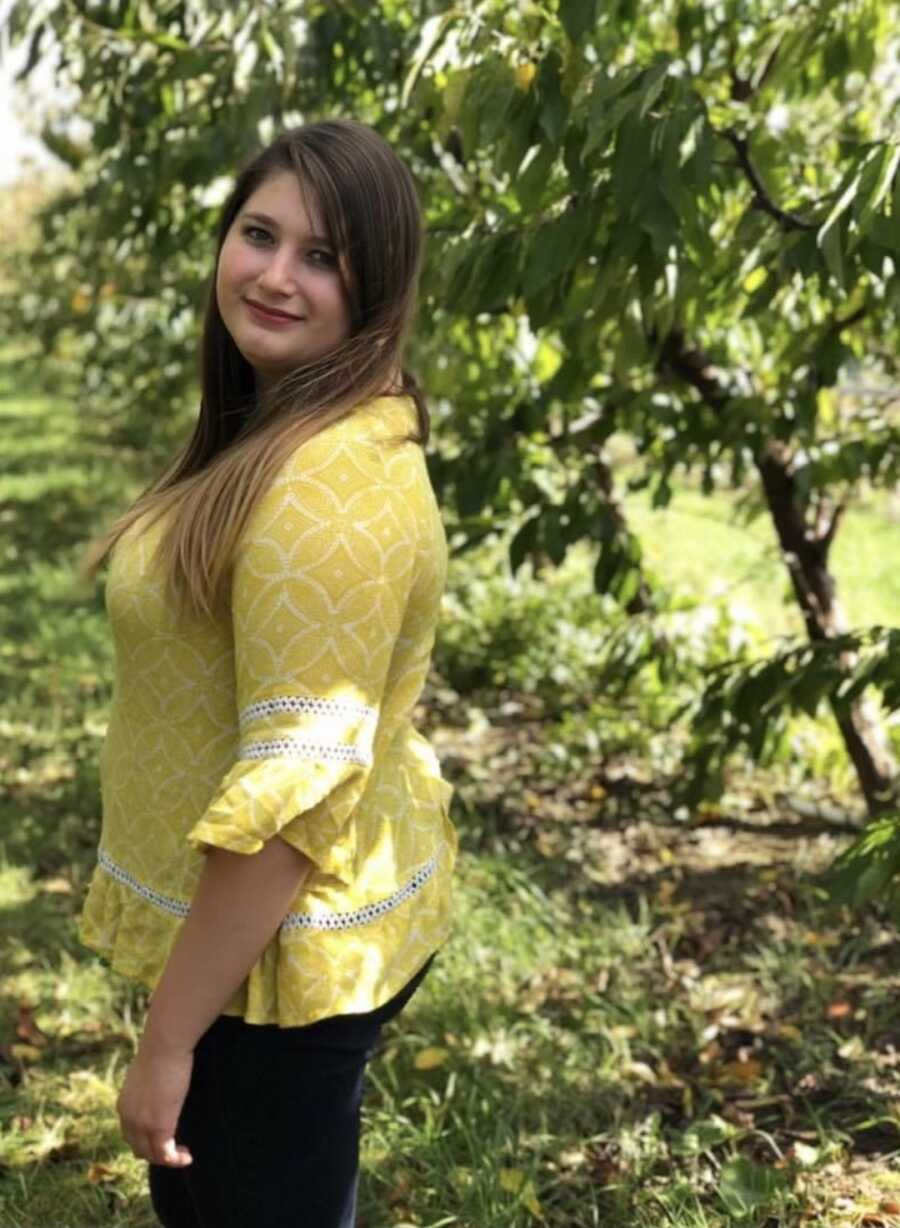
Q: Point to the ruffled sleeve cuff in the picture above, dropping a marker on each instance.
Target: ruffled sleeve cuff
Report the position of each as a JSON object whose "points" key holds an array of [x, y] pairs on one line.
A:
{"points": [[307, 805]]}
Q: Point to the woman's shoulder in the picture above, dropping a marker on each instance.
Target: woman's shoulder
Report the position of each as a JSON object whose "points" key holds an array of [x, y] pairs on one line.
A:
{"points": [[380, 418], [371, 441], [357, 466], [382, 435]]}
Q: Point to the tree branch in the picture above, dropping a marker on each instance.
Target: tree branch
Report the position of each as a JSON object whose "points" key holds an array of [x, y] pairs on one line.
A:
{"points": [[838, 325], [743, 88], [834, 521], [762, 199]]}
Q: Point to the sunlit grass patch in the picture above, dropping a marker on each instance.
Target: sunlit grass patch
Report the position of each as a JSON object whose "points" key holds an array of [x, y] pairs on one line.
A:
{"points": [[680, 540]]}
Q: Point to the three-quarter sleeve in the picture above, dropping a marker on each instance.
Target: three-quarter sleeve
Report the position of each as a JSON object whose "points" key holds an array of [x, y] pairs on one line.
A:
{"points": [[320, 587]]}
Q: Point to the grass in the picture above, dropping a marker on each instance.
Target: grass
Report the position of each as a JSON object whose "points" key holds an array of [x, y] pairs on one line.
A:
{"points": [[682, 540], [639, 1023]]}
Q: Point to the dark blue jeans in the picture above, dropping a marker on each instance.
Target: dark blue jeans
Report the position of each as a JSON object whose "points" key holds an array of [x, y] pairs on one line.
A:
{"points": [[272, 1120]]}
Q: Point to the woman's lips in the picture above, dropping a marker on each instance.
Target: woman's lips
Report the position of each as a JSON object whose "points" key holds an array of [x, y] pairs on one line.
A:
{"points": [[269, 317]]}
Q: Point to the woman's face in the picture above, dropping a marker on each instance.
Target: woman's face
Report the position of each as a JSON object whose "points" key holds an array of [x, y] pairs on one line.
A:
{"points": [[276, 255]]}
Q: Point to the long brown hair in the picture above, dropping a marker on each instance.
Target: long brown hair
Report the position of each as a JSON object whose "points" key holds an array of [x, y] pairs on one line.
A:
{"points": [[368, 202]]}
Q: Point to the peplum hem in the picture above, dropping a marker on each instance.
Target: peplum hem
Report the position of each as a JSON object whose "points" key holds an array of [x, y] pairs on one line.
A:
{"points": [[131, 936], [300, 976]]}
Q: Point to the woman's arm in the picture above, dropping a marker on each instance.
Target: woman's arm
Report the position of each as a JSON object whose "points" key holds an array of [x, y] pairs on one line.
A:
{"points": [[240, 901]]}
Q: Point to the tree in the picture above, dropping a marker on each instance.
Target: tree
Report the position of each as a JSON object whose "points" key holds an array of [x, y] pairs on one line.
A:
{"points": [[697, 208]]}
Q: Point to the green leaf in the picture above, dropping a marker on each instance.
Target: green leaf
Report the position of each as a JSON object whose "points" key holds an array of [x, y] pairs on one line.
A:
{"points": [[652, 86], [760, 299], [631, 350], [849, 188], [605, 116], [532, 183], [578, 17], [434, 30], [606, 87], [554, 107], [884, 232], [461, 271], [523, 543], [471, 491], [836, 56], [829, 240], [495, 278], [659, 220], [605, 568], [489, 94], [746, 1188], [632, 175], [703, 1135], [868, 866], [556, 246], [876, 184], [520, 133]]}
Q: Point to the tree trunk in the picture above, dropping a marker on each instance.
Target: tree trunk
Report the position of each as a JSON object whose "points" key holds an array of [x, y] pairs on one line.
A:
{"points": [[805, 549], [806, 553]]}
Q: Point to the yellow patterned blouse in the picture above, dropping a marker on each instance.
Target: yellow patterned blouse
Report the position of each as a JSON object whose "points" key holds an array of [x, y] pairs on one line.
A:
{"points": [[291, 716]]}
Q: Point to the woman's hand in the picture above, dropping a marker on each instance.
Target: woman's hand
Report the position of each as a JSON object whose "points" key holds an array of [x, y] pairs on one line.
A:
{"points": [[150, 1102]]}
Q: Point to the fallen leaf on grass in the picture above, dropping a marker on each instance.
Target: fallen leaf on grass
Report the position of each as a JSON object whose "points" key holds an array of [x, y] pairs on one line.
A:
{"points": [[739, 1115], [804, 1155], [26, 1028], [19, 1054], [814, 938], [513, 1180], [401, 1184], [788, 1031], [711, 1053], [56, 886], [640, 1070], [606, 1163], [852, 1049], [98, 1173], [838, 1010], [548, 843], [886, 1178], [745, 1073], [428, 1059]]}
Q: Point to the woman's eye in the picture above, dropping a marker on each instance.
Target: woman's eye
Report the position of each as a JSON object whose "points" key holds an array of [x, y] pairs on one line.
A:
{"points": [[320, 256], [252, 233]]}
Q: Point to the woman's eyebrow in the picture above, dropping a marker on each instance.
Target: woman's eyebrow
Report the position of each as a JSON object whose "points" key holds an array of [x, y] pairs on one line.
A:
{"points": [[270, 221]]}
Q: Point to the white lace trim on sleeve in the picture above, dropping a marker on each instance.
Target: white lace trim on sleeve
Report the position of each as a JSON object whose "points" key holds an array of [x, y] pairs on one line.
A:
{"points": [[293, 748], [305, 732], [308, 705]]}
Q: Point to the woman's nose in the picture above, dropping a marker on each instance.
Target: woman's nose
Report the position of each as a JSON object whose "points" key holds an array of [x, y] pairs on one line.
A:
{"points": [[279, 273]]}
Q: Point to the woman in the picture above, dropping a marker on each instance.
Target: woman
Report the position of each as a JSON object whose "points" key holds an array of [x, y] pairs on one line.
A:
{"points": [[276, 852]]}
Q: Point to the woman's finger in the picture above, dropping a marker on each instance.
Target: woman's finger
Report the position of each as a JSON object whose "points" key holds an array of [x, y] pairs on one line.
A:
{"points": [[163, 1149]]}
